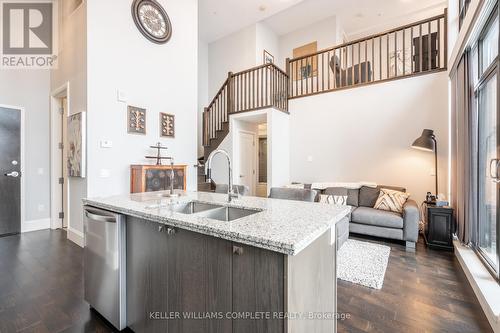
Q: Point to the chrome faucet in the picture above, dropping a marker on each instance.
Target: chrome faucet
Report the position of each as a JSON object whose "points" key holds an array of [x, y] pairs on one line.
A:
{"points": [[171, 194], [208, 172]]}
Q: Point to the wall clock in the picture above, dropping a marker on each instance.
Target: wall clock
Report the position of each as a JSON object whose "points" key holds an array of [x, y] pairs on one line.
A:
{"points": [[152, 20]]}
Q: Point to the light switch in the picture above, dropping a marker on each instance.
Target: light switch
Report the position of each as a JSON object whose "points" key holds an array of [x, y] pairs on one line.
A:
{"points": [[121, 96], [104, 173], [106, 144]]}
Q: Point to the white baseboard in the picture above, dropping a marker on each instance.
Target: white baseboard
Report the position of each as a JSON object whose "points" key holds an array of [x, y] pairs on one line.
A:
{"points": [[35, 225], [76, 237], [484, 285]]}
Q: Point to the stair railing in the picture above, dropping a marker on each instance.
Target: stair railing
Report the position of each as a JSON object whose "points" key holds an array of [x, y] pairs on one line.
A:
{"points": [[253, 89]]}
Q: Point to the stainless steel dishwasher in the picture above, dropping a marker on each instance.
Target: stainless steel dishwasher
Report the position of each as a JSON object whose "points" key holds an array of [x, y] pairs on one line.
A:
{"points": [[104, 264]]}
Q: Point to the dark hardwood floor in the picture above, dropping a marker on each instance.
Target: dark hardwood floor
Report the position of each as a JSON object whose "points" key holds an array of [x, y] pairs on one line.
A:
{"points": [[41, 290], [425, 291]]}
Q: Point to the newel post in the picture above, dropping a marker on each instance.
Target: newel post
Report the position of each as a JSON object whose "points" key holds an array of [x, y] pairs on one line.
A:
{"points": [[288, 81], [230, 101]]}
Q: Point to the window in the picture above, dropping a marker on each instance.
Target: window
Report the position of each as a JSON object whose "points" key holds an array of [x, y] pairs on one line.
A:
{"points": [[463, 5], [485, 69]]}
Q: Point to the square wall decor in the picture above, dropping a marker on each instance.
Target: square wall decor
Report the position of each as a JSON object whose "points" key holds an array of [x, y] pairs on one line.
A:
{"points": [[136, 120], [167, 125]]}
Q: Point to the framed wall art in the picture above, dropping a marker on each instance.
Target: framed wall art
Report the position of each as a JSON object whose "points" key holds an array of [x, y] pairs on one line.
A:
{"points": [[167, 125], [76, 158], [136, 120]]}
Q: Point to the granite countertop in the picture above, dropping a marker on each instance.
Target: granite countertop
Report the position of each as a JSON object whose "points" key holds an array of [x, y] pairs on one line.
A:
{"points": [[282, 226]]}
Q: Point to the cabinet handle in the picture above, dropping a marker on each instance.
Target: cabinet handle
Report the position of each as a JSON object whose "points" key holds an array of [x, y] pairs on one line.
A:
{"points": [[238, 250], [170, 231], [161, 228]]}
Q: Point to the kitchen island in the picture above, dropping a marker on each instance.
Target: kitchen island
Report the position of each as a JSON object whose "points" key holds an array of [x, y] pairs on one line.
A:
{"points": [[197, 263]]}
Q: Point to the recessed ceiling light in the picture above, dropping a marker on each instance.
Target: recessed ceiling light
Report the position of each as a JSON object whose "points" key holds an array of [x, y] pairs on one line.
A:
{"points": [[262, 8]]}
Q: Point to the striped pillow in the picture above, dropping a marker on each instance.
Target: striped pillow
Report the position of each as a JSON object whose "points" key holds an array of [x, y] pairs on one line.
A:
{"points": [[391, 200]]}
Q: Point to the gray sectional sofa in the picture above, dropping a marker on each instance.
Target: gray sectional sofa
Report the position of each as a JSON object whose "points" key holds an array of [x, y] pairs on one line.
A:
{"points": [[366, 220]]}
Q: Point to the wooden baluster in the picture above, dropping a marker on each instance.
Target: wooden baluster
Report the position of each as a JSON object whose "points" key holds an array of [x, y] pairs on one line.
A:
{"points": [[359, 62], [230, 93], [373, 61], [253, 89], [438, 43], [395, 54], [288, 71], [366, 61], [387, 54], [380, 57], [420, 50], [352, 64], [404, 52], [411, 50], [429, 48]]}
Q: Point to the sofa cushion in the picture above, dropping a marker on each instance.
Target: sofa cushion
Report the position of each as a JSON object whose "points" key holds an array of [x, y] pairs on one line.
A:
{"points": [[368, 195], [391, 200], [352, 194], [372, 216]]}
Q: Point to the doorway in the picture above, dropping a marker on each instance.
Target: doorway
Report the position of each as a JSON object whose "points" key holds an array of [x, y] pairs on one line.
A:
{"points": [[247, 152], [59, 173], [11, 182]]}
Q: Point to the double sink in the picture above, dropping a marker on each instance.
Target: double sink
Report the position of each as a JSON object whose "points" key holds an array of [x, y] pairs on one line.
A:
{"points": [[211, 211]]}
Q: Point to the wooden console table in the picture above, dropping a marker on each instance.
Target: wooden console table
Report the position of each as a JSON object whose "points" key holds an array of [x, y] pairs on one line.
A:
{"points": [[149, 178]]}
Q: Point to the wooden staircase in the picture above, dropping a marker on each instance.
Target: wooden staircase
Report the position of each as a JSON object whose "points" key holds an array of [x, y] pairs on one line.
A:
{"points": [[415, 49], [257, 88]]}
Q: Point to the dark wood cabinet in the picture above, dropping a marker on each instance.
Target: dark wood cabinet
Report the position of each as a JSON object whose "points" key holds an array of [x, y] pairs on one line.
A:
{"points": [[174, 271], [258, 285], [149, 178], [439, 227]]}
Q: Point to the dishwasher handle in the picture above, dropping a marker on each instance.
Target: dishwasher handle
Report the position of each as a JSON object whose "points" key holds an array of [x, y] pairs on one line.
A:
{"points": [[100, 218]]}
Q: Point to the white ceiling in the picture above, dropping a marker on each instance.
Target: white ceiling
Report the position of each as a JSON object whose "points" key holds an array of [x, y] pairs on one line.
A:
{"points": [[219, 18], [354, 15]]}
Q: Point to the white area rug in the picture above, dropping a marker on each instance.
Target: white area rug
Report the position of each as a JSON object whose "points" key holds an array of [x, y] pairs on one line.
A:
{"points": [[363, 263]]}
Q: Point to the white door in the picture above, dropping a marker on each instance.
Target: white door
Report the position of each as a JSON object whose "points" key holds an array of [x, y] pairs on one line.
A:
{"points": [[247, 160]]}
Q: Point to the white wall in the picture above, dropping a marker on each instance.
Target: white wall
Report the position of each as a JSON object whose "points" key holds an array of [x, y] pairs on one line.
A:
{"points": [[202, 90], [30, 89], [278, 149], [324, 32], [265, 39], [159, 78], [232, 53], [72, 69], [364, 134]]}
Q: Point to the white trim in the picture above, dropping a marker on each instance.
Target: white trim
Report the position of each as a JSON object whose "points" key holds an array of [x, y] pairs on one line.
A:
{"points": [[237, 161], [76, 236], [35, 225], [23, 160], [484, 285], [56, 192]]}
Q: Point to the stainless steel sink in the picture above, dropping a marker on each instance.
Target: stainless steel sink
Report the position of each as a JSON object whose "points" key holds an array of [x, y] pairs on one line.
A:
{"points": [[228, 213], [191, 207]]}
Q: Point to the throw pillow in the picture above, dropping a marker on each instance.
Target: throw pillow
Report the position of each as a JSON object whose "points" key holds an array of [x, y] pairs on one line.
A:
{"points": [[391, 200], [333, 199]]}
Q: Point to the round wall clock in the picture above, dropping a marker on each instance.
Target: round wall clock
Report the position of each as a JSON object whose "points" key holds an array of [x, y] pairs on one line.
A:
{"points": [[152, 20]]}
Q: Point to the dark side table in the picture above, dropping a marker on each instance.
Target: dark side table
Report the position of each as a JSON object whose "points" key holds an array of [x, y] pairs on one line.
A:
{"points": [[438, 233]]}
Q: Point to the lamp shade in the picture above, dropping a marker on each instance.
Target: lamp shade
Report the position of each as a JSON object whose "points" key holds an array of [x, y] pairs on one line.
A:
{"points": [[427, 141]]}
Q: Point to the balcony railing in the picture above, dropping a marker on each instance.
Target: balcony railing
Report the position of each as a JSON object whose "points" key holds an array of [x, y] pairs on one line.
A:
{"points": [[413, 49]]}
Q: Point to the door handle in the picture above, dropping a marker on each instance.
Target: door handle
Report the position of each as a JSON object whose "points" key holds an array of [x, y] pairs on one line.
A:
{"points": [[100, 218], [241, 176], [13, 174], [495, 161]]}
